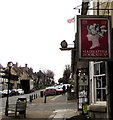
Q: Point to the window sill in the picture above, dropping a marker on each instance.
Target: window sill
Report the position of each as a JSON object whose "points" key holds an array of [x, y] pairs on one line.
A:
{"points": [[98, 107]]}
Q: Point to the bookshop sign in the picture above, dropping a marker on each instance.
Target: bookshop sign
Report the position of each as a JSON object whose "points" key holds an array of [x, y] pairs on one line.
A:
{"points": [[94, 37]]}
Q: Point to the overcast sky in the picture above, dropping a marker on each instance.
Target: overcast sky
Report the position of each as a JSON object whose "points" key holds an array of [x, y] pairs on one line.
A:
{"points": [[31, 32]]}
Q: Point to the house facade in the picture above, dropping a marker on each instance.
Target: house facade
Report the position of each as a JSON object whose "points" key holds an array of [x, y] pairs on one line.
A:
{"points": [[24, 79], [99, 77], [94, 77], [4, 73]]}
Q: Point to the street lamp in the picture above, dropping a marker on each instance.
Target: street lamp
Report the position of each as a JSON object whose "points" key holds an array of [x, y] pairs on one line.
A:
{"points": [[9, 65]]}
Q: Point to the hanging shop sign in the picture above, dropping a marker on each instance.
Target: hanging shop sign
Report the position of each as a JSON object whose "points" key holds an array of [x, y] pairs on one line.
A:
{"points": [[94, 37]]}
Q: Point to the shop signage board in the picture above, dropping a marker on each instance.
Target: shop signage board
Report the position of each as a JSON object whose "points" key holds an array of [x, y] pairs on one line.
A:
{"points": [[94, 37], [83, 80]]}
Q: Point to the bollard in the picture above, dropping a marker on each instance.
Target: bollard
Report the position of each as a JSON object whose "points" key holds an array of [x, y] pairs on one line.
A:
{"points": [[41, 93], [30, 97], [45, 99], [36, 95]]}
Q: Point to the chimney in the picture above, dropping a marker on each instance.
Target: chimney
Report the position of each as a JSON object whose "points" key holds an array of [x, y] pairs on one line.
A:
{"points": [[26, 66], [31, 69], [16, 65]]}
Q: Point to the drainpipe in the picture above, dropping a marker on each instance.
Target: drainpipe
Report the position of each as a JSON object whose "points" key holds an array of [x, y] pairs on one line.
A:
{"points": [[98, 7]]}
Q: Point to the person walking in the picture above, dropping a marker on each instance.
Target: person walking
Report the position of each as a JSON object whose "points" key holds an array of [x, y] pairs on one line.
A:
{"points": [[64, 89]]}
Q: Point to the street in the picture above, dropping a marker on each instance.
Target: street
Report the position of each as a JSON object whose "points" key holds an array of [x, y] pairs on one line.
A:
{"points": [[12, 99], [54, 107], [52, 103]]}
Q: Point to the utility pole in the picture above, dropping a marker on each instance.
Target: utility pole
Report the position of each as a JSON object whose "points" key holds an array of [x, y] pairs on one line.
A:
{"points": [[9, 65]]}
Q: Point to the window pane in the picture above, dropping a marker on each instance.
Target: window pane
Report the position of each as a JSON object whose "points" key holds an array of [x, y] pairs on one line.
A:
{"points": [[104, 95], [98, 83], [101, 88], [102, 68], [98, 94], [103, 81], [96, 69], [101, 94]]}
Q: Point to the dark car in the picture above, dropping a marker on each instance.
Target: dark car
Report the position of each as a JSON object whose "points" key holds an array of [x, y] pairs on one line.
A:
{"points": [[31, 90], [14, 92]]}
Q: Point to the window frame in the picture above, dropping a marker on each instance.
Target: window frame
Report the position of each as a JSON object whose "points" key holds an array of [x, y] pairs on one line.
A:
{"points": [[95, 82]]}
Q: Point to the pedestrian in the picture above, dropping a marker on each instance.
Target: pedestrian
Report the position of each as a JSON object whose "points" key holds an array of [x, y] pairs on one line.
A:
{"points": [[68, 88], [71, 87], [64, 89]]}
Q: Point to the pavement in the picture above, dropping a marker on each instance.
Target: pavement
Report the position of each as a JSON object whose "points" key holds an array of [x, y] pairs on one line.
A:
{"points": [[46, 114]]}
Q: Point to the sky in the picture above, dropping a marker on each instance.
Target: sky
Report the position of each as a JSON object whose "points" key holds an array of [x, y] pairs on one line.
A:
{"points": [[31, 32]]}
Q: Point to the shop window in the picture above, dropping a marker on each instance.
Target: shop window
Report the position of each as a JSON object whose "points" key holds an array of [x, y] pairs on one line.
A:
{"points": [[99, 68], [100, 81], [102, 68], [100, 88]]}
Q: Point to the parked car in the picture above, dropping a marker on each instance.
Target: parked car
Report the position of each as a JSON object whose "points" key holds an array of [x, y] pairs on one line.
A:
{"points": [[20, 91], [59, 90], [14, 92], [5, 92], [50, 91], [32, 90]]}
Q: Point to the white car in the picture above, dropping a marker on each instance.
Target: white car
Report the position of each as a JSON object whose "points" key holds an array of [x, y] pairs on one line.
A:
{"points": [[5, 92], [59, 90], [20, 91]]}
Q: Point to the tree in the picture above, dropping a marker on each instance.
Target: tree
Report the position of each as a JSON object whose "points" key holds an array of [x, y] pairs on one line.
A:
{"points": [[45, 77], [66, 75], [60, 80], [50, 74], [39, 76], [49, 77]]}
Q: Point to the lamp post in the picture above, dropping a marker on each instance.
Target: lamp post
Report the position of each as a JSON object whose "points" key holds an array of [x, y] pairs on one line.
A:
{"points": [[9, 65]]}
